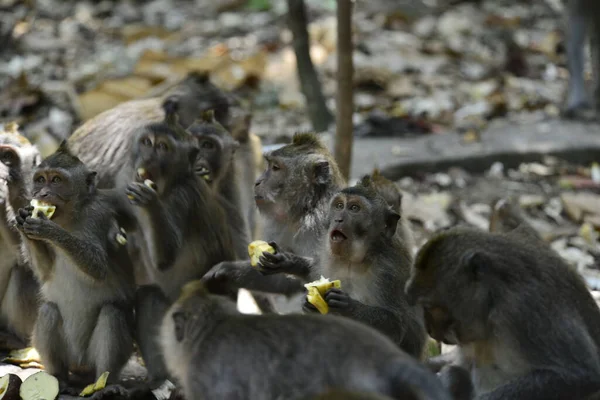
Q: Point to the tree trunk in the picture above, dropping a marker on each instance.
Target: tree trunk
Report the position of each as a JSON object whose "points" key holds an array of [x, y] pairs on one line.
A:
{"points": [[344, 134], [309, 81]]}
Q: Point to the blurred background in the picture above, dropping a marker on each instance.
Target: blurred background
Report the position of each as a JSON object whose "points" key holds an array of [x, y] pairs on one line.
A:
{"points": [[457, 101]]}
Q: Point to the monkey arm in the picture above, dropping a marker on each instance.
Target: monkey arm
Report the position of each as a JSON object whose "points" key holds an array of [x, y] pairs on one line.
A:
{"points": [[167, 239], [90, 258], [39, 256], [547, 385], [240, 274], [382, 319]]}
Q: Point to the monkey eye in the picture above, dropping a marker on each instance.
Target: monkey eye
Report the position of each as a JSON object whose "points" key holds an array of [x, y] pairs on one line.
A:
{"points": [[8, 157], [355, 208], [208, 145], [339, 205], [146, 141], [56, 179], [40, 179], [275, 167], [163, 146]]}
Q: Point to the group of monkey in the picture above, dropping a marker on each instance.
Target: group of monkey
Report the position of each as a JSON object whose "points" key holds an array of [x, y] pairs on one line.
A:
{"points": [[525, 325]]}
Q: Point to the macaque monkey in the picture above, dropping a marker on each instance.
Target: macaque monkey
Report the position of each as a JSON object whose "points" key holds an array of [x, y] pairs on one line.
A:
{"points": [[525, 324], [217, 353], [105, 142], [361, 248], [18, 287], [182, 225], [292, 196], [85, 324], [583, 20]]}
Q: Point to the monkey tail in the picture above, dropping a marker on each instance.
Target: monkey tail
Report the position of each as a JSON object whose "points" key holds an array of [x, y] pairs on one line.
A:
{"points": [[408, 380]]}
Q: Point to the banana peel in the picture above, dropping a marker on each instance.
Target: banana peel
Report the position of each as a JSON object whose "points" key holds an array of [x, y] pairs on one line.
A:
{"points": [[317, 290], [256, 249], [96, 386], [43, 207]]}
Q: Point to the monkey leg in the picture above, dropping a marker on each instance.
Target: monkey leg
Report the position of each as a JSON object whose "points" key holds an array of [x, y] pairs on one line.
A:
{"points": [[150, 306], [49, 340], [111, 343]]}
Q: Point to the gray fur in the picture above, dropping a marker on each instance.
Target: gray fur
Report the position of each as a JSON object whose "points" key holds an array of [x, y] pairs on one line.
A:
{"points": [[224, 354]]}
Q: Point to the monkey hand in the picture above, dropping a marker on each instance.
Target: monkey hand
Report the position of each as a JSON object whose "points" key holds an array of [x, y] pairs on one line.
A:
{"points": [[308, 308], [140, 194], [40, 228], [21, 216], [339, 302], [280, 262]]}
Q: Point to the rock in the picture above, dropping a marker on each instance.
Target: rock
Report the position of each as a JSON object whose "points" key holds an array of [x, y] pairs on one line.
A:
{"points": [[577, 205]]}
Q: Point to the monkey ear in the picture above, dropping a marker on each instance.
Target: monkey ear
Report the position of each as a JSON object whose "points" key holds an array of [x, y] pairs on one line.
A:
{"points": [[391, 222], [475, 262], [63, 147], [90, 181], [322, 173], [179, 320]]}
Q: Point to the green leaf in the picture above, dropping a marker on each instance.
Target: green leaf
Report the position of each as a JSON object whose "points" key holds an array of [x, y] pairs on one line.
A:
{"points": [[259, 5]]}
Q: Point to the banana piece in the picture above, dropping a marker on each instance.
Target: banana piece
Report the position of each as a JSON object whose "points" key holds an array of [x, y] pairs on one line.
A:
{"points": [[121, 237], [43, 207], [96, 386], [256, 248], [150, 184], [317, 290]]}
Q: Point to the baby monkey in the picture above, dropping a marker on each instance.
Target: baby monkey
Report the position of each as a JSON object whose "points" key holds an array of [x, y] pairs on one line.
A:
{"points": [[525, 324], [203, 335]]}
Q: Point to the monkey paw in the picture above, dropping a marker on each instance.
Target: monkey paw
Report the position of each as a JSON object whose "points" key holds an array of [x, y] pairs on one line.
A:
{"points": [[280, 262], [140, 194], [308, 308], [338, 301], [39, 228], [22, 215]]}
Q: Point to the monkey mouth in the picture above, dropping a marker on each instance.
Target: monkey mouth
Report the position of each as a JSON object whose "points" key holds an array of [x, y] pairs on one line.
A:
{"points": [[143, 174], [337, 236], [204, 173]]}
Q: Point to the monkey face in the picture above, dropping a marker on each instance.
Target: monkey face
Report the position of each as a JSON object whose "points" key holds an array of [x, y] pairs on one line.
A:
{"points": [[162, 159], [355, 222], [270, 185], [9, 162]]}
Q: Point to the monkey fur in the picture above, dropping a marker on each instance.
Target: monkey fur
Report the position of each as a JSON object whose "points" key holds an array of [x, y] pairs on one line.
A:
{"points": [[525, 324], [85, 324], [292, 196], [583, 21], [104, 143], [362, 249], [181, 224], [203, 335], [18, 286], [507, 217]]}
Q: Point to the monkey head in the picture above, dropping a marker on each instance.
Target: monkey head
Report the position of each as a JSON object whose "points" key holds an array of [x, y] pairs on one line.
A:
{"points": [[196, 94], [163, 152], [18, 157], [453, 278], [185, 321], [297, 177], [216, 147], [359, 221], [64, 181]]}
